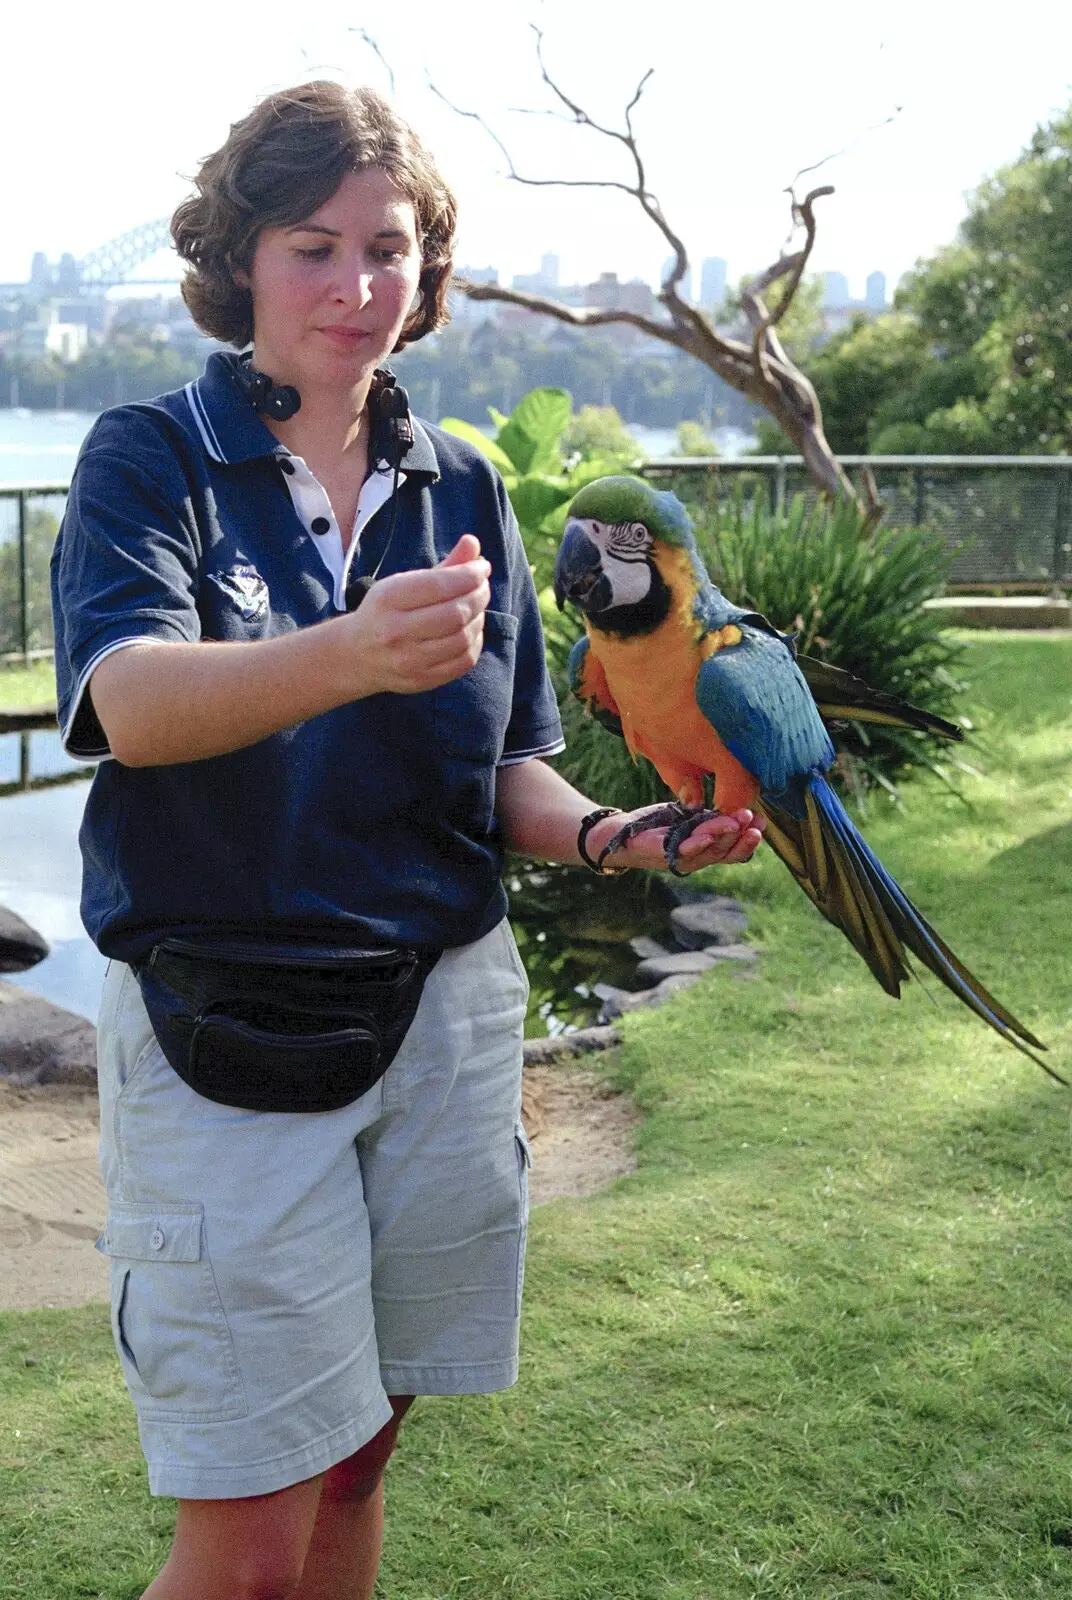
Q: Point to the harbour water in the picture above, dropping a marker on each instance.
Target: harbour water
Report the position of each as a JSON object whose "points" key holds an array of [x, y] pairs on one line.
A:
{"points": [[41, 446]]}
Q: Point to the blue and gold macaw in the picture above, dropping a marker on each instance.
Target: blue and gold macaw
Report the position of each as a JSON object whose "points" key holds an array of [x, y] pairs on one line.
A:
{"points": [[707, 690]]}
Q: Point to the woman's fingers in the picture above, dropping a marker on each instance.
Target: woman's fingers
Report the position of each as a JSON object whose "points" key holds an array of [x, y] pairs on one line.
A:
{"points": [[467, 549], [720, 841], [423, 628], [431, 586], [448, 618]]}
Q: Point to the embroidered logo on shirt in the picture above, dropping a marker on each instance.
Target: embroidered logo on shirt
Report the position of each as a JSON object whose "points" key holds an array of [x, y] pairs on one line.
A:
{"points": [[245, 587]]}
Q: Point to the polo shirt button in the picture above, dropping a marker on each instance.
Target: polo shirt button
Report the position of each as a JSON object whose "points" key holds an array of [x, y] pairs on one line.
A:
{"points": [[320, 525], [157, 1239], [287, 467]]}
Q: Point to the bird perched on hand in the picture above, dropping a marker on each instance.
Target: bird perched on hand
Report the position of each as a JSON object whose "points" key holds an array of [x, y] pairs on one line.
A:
{"points": [[708, 690]]}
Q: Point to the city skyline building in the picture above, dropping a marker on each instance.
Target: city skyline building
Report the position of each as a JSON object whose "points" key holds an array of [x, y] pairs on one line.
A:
{"points": [[712, 281], [875, 291], [835, 291]]}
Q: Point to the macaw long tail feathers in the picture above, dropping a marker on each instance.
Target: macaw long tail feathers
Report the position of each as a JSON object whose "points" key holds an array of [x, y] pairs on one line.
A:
{"points": [[842, 697], [844, 878]]}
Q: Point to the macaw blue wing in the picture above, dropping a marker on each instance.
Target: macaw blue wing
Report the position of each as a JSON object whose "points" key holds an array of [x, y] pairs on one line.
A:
{"points": [[755, 698]]}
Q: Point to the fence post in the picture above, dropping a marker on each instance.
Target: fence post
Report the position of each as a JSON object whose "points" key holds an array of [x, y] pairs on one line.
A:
{"points": [[24, 582], [778, 488], [1061, 536], [921, 496], [24, 761]]}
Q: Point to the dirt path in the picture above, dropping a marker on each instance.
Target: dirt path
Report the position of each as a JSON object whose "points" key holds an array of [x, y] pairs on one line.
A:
{"points": [[52, 1204]]}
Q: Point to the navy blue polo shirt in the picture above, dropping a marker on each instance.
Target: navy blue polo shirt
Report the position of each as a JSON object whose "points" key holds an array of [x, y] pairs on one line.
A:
{"points": [[371, 821]]}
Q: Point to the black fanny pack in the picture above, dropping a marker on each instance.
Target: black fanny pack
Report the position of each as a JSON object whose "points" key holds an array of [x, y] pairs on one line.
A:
{"points": [[281, 1027]]}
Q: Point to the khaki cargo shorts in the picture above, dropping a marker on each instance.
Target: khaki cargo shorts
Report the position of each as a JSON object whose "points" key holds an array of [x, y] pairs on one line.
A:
{"points": [[276, 1276]]}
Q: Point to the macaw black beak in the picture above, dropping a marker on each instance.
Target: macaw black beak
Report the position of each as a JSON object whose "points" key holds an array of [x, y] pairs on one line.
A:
{"points": [[579, 575]]}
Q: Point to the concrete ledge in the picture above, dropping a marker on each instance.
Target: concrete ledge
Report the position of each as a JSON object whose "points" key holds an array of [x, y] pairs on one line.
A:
{"points": [[1003, 611], [27, 719]]}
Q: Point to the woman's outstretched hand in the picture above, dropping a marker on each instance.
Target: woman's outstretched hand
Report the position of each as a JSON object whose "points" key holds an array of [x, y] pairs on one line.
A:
{"points": [[418, 630], [722, 840]]}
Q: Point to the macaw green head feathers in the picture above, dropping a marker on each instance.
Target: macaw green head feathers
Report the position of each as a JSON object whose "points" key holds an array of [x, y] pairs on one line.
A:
{"points": [[620, 500], [607, 563]]}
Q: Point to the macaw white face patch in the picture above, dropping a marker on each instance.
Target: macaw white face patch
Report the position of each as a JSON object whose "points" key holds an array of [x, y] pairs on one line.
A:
{"points": [[246, 590], [624, 548]]}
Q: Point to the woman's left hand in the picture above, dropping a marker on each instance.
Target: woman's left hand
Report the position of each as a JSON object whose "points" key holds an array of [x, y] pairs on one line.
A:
{"points": [[722, 840]]}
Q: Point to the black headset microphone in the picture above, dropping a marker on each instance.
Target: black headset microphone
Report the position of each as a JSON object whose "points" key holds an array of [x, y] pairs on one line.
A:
{"points": [[280, 401], [392, 437]]}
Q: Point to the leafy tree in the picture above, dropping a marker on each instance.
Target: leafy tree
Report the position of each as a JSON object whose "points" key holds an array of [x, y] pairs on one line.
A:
{"points": [[693, 439], [598, 432], [977, 357]]}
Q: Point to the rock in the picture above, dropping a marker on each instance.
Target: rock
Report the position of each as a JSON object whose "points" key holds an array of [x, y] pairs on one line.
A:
{"points": [[565, 1045], [615, 1000], [644, 948], [732, 952], [720, 920], [623, 1000], [657, 968], [20, 945], [607, 991], [42, 1043]]}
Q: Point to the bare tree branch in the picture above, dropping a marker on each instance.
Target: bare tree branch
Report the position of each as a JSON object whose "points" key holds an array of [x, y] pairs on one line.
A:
{"points": [[791, 268], [834, 154], [760, 368], [366, 38]]}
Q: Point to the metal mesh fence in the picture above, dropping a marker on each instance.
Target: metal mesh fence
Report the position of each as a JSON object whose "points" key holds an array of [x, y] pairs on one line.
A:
{"points": [[29, 520], [1005, 520]]}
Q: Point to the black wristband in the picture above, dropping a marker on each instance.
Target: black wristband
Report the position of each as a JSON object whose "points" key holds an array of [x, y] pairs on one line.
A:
{"points": [[587, 824]]}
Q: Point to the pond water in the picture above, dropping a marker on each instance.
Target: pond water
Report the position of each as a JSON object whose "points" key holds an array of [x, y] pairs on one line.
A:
{"points": [[572, 928], [40, 878], [47, 757]]}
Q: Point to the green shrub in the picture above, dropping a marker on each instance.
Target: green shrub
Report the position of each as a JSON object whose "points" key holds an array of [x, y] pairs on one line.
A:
{"points": [[853, 599]]}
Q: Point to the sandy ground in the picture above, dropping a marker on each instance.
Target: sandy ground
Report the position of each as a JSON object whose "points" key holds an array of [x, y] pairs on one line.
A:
{"points": [[52, 1204]]}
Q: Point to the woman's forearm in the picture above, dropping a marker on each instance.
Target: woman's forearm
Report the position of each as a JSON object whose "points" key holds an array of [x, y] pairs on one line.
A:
{"points": [[162, 703], [541, 813]]}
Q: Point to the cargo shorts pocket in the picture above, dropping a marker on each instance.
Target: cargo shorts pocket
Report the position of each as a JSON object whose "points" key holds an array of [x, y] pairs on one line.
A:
{"points": [[168, 1321], [524, 1162]]}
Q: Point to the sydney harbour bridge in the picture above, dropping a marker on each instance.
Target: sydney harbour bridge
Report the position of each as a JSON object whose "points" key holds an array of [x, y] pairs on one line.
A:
{"points": [[111, 265]]}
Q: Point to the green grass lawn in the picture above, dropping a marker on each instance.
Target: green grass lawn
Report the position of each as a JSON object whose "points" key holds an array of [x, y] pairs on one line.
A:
{"points": [[818, 1346], [34, 685]]}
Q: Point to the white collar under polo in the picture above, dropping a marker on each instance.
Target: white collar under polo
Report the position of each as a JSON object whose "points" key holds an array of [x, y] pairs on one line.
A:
{"points": [[314, 512]]}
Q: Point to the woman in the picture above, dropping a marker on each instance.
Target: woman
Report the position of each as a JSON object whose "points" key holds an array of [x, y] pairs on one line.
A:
{"points": [[282, 774]]}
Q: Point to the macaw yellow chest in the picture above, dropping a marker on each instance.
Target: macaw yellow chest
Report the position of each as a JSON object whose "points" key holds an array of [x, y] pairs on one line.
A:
{"points": [[652, 679]]}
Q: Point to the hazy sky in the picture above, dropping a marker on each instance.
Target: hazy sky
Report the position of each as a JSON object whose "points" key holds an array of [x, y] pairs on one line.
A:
{"points": [[104, 107]]}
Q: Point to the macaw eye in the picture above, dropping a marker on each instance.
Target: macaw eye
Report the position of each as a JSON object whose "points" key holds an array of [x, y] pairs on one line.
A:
{"points": [[629, 539]]}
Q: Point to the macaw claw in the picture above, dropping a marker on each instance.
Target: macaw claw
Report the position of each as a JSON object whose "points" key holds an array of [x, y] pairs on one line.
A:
{"points": [[678, 820]]}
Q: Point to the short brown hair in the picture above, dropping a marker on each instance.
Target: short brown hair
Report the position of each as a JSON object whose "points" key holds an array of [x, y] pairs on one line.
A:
{"points": [[279, 165]]}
